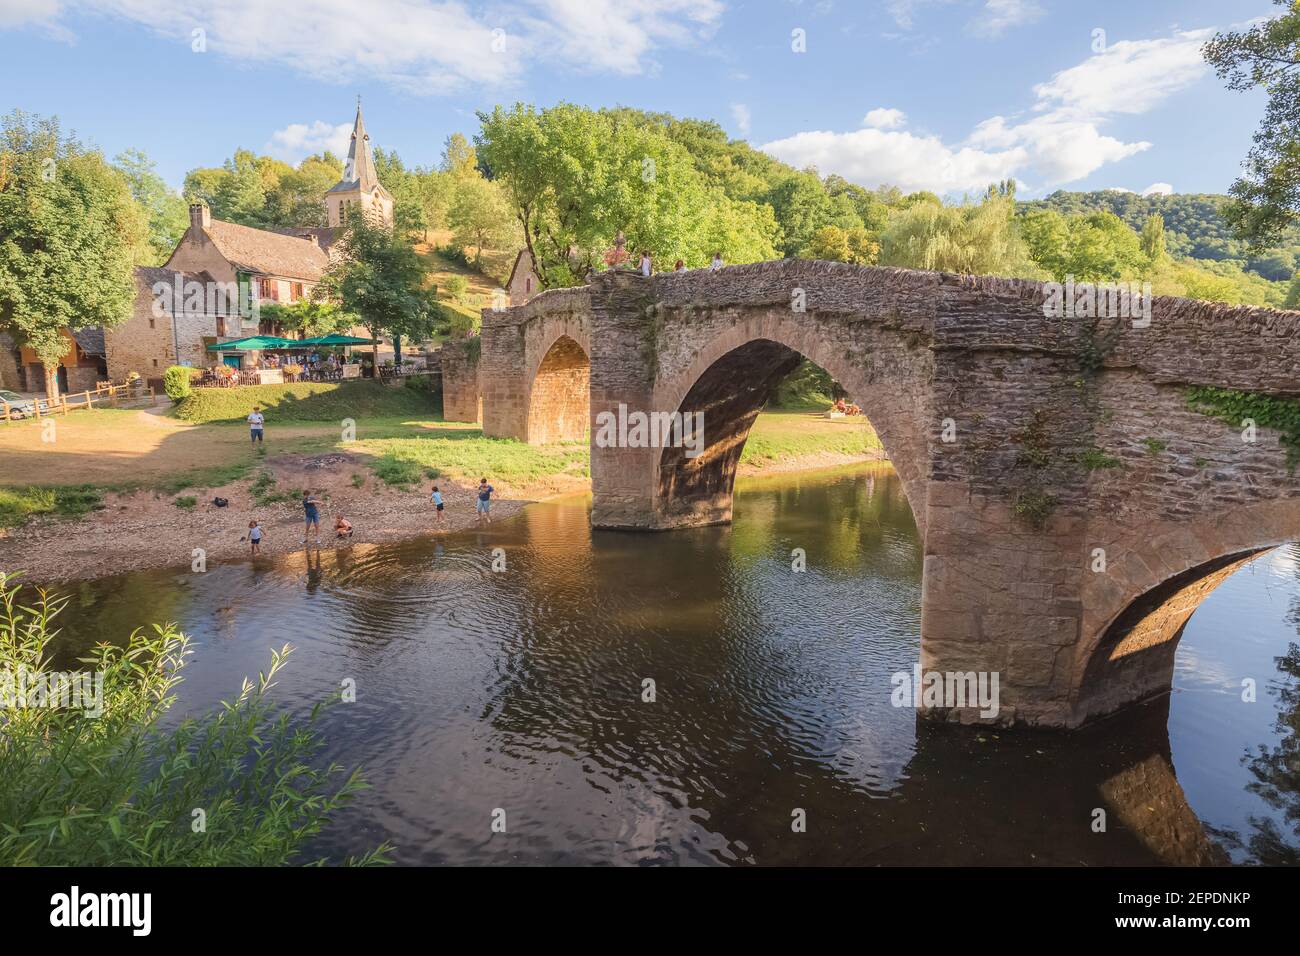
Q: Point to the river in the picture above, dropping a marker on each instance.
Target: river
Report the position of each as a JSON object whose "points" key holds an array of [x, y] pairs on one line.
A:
{"points": [[523, 690]]}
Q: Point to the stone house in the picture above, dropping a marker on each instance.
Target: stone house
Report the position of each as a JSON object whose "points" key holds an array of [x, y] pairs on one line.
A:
{"points": [[82, 366], [233, 265], [523, 283]]}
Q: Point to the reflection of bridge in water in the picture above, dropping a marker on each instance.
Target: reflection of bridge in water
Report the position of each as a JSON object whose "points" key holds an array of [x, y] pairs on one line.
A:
{"points": [[1072, 441]]}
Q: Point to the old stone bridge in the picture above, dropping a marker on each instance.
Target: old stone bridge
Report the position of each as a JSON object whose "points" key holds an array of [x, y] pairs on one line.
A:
{"points": [[1075, 507]]}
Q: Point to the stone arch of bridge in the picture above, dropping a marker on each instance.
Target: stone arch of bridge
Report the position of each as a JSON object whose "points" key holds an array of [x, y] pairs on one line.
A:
{"points": [[558, 381], [1135, 611], [731, 378]]}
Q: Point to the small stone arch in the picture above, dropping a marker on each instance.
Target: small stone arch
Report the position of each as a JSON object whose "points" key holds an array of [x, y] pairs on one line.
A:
{"points": [[558, 385]]}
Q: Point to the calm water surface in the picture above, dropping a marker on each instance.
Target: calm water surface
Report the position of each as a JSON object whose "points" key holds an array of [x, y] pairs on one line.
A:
{"points": [[522, 690]]}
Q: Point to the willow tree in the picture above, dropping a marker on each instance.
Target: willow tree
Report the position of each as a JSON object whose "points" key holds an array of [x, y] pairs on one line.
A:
{"points": [[69, 231]]}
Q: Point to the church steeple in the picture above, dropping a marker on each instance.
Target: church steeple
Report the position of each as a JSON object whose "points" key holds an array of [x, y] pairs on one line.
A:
{"points": [[360, 187], [360, 167]]}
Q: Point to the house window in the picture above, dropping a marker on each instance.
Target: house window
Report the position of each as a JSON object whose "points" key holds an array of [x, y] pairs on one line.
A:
{"points": [[528, 284], [270, 289], [295, 291], [155, 363], [221, 326]]}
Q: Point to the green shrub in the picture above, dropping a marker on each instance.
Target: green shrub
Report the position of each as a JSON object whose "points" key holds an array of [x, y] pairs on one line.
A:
{"points": [[186, 502], [397, 471], [304, 401], [118, 790], [455, 287], [17, 505], [177, 380]]}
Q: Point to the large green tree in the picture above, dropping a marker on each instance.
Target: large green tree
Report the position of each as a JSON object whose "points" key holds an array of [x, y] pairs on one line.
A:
{"points": [[167, 215], [480, 216], [1266, 199], [69, 230], [379, 278], [575, 177]]}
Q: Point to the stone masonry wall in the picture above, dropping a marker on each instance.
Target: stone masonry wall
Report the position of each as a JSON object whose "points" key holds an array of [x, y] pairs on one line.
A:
{"points": [[461, 389]]}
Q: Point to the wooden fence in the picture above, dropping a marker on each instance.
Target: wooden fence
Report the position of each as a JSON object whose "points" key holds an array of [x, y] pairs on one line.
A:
{"points": [[106, 394]]}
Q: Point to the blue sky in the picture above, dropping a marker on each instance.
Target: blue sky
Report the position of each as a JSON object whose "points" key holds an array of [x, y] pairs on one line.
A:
{"points": [[939, 94]]}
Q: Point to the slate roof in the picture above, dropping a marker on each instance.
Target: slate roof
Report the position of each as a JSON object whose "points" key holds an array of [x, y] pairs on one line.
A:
{"points": [[268, 253]]}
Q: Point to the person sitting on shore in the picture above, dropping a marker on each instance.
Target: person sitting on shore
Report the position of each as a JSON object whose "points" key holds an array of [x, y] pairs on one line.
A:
{"points": [[342, 527], [716, 264], [680, 267]]}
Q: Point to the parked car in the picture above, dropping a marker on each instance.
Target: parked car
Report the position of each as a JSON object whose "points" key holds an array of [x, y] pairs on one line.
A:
{"points": [[19, 407]]}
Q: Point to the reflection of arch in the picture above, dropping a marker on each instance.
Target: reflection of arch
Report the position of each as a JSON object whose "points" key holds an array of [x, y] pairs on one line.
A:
{"points": [[731, 378], [1135, 612], [559, 392]]}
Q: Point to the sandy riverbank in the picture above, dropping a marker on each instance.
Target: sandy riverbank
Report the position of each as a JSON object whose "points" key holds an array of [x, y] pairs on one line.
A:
{"points": [[146, 529]]}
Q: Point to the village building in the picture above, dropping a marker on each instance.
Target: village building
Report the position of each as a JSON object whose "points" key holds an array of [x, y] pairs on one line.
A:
{"points": [[82, 367], [523, 283], [259, 265]]}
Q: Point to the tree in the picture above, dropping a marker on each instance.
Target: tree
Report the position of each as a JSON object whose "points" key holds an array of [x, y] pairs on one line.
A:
{"points": [[241, 194], [408, 200], [479, 216], [844, 245], [458, 156], [311, 316], [69, 229], [167, 215], [1266, 199], [1098, 247], [379, 278], [575, 177], [1152, 240], [977, 239], [297, 197]]}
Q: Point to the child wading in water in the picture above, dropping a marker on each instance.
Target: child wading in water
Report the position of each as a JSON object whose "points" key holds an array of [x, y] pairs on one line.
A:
{"points": [[436, 498], [254, 537]]}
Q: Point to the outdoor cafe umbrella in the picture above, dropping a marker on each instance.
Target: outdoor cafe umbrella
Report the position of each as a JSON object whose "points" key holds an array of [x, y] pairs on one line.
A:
{"points": [[254, 343], [337, 340]]}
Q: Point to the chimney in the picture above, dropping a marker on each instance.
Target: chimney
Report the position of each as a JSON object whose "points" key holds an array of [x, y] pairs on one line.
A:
{"points": [[200, 215]]}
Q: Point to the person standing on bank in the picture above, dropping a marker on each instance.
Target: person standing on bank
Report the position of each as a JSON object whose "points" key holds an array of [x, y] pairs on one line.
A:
{"points": [[484, 504], [311, 514], [645, 263], [255, 423], [436, 497], [716, 264]]}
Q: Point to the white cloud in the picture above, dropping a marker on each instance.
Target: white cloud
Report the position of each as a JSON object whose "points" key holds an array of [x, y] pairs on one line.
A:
{"points": [[883, 118], [1158, 189], [299, 140], [41, 14], [741, 115], [998, 16], [1131, 76], [1059, 141], [422, 46], [902, 159]]}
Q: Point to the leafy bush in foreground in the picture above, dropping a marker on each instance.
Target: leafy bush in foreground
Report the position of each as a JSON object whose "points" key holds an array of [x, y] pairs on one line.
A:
{"points": [[115, 790]]}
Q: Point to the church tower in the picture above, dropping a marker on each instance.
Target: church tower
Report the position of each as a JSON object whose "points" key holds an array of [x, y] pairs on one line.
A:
{"points": [[359, 192]]}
